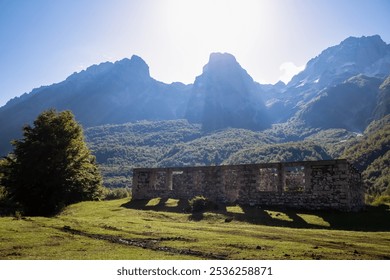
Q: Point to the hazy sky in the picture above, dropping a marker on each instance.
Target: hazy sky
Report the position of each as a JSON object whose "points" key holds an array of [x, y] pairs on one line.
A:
{"points": [[44, 41]]}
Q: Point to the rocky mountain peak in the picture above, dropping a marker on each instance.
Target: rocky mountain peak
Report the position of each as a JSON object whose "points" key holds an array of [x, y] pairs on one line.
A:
{"points": [[368, 55], [220, 60], [225, 95], [139, 64], [364, 41], [361, 51], [133, 69], [224, 68]]}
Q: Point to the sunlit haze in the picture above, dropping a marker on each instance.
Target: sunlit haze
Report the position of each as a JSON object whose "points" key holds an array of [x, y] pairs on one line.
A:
{"points": [[43, 41]]}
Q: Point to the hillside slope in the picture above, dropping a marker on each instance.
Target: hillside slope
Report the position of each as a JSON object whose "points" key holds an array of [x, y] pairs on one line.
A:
{"points": [[372, 156], [348, 105]]}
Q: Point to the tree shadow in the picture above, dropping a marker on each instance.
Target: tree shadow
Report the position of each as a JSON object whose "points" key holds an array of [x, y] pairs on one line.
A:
{"points": [[372, 218], [196, 216]]}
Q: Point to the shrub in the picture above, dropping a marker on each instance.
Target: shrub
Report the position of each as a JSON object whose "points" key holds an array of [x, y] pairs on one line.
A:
{"points": [[199, 204], [18, 215], [118, 193]]}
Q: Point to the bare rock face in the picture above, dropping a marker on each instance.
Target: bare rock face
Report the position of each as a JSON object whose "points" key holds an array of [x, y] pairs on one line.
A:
{"points": [[366, 55], [349, 105], [226, 96]]}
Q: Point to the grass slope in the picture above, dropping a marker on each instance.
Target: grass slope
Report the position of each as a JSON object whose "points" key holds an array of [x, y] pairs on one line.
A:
{"points": [[158, 229]]}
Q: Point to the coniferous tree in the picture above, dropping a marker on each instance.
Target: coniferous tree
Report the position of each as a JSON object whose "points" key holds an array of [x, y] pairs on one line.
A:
{"points": [[52, 167]]}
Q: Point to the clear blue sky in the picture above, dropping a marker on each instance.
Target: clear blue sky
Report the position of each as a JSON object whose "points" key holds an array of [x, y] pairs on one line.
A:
{"points": [[44, 41]]}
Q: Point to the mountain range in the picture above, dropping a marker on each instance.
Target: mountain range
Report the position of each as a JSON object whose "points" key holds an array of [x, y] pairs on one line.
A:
{"points": [[343, 90]]}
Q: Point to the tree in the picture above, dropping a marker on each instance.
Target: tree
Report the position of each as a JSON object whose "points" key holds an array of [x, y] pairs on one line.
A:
{"points": [[52, 167]]}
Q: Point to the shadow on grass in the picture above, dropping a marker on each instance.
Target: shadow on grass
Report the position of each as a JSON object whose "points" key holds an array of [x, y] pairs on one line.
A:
{"points": [[372, 218], [159, 205], [261, 216]]}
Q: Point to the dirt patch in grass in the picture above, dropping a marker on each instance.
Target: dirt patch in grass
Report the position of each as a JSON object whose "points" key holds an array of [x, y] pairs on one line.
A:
{"points": [[150, 243]]}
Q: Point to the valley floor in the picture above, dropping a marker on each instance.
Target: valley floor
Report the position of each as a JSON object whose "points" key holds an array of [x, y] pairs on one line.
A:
{"points": [[157, 229]]}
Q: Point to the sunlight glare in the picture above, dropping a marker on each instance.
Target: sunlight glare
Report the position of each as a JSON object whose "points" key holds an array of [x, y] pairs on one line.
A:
{"points": [[216, 25]]}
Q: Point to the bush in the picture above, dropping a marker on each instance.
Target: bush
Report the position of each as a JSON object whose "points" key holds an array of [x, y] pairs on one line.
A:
{"points": [[118, 193], [199, 204], [18, 215]]}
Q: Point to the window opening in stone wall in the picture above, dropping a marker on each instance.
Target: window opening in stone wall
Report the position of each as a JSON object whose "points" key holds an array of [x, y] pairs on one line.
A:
{"points": [[230, 181], [143, 177], [294, 179], [173, 179], [268, 180], [160, 180], [322, 170], [198, 178]]}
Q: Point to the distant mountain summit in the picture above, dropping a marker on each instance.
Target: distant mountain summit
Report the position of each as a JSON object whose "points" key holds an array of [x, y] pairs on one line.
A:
{"points": [[366, 55], [134, 69], [225, 95], [108, 93]]}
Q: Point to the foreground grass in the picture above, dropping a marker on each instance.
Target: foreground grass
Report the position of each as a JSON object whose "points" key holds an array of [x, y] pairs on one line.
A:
{"points": [[157, 230]]}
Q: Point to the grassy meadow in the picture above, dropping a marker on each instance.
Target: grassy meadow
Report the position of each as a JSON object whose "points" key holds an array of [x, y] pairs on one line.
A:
{"points": [[161, 229]]}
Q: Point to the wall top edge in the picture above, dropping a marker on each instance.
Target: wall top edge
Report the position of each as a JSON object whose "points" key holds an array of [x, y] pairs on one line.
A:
{"points": [[243, 166]]}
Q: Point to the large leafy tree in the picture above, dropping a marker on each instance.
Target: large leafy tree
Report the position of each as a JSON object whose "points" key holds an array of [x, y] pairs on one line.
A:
{"points": [[52, 167]]}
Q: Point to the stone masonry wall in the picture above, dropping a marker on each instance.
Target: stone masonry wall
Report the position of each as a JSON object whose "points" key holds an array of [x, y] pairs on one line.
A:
{"points": [[328, 184]]}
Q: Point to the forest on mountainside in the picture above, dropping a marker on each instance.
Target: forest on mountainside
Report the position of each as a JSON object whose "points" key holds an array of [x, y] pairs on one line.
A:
{"points": [[119, 148], [371, 155]]}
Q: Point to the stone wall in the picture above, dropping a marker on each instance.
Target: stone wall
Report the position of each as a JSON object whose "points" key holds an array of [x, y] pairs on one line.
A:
{"points": [[328, 184]]}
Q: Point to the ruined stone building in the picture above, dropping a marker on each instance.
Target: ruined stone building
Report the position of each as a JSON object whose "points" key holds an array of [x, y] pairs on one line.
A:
{"points": [[326, 184]]}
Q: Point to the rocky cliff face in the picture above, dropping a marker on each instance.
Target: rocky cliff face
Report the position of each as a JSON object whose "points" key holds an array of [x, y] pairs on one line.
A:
{"points": [[226, 96], [349, 105], [366, 55]]}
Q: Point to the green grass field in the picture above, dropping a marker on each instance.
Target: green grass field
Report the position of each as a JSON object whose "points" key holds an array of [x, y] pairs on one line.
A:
{"points": [[160, 229]]}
